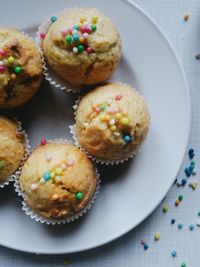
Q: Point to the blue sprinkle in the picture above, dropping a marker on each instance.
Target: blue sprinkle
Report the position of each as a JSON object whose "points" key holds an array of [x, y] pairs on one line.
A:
{"points": [[173, 253], [180, 226], [191, 226], [146, 246], [184, 181], [76, 27], [188, 171], [46, 176], [191, 167], [173, 221], [127, 138], [53, 19], [75, 37], [191, 153]]}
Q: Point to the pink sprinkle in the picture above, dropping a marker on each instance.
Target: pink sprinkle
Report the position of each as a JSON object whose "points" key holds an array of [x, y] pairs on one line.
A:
{"points": [[49, 158], [43, 142], [34, 187], [64, 166], [3, 52], [42, 35], [97, 110], [64, 31], [88, 29], [89, 49], [70, 163], [143, 242], [118, 97], [83, 29], [85, 35], [2, 68]]}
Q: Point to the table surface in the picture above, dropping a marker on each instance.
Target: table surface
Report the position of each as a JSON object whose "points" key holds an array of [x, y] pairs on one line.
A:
{"points": [[127, 251]]}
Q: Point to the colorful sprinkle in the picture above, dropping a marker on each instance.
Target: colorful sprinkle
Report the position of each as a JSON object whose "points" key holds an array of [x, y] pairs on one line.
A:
{"points": [[75, 37], [42, 35], [2, 69], [177, 202], [52, 175], [68, 39], [165, 208], [180, 197], [43, 142], [58, 171], [124, 121], [18, 70], [1, 63], [46, 176], [146, 246], [42, 181], [157, 236], [75, 50], [118, 97], [13, 76], [11, 60], [3, 52], [127, 138], [53, 19], [173, 221], [81, 48], [94, 27], [70, 163], [184, 181], [143, 242], [79, 195], [89, 49], [173, 253], [191, 227], [180, 226], [94, 19], [183, 264], [34, 187], [198, 213]]}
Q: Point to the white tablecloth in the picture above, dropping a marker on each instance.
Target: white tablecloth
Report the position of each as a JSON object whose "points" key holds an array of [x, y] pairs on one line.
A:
{"points": [[127, 251]]}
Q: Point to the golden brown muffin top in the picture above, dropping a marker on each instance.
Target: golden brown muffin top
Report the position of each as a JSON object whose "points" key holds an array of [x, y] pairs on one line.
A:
{"points": [[20, 64], [11, 147], [58, 180]]}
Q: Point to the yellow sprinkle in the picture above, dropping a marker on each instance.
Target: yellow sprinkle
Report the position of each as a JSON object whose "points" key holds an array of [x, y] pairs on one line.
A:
{"points": [[106, 118], [94, 19], [81, 40], [113, 128], [124, 121], [13, 76], [11, 60], [118, 116], [101, 117], [52, 175], [82, 20], [79, 24], [58, 171]]}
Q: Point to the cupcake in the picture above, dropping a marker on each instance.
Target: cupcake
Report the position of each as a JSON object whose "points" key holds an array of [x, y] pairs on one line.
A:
{"points": [[20, 68], [12, 149], [82, 46], [112, 121], [58, 181]]}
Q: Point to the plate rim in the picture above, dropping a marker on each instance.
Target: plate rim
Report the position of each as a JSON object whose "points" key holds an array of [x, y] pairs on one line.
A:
{"points": [[127, 230]]}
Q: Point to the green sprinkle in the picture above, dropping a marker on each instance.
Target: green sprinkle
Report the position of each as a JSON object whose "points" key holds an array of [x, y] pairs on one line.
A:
{"points": [[79, 195], [17, 70], [183, 264], [68, 39], [102, 107], [165, 208], [198, 213], [81, 48], [180, 197], [94, 27], [1, 164], [193, 162]]}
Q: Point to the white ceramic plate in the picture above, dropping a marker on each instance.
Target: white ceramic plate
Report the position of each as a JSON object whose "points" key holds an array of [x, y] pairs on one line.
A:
{"points": [[130, 192]]}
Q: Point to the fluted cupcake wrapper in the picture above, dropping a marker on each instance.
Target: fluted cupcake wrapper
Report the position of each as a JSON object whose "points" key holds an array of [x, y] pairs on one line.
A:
{"points": [[93, 158], [49, 73], [38, 217], [17, 173]]}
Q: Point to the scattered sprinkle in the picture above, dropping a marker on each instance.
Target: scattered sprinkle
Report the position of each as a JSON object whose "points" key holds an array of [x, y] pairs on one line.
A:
{"points": [[177, 202], [186, 17], [53, 19], [146, 246], [198, 213], [42, 35], [173, 253], [43, 142], [193, 185], [34, 187], [184, 182], [165, 208], [180, 197], [143, 242], [157, 236], [183, 264], [191, 227], [180, 226], [79, 195], [173, 221]]}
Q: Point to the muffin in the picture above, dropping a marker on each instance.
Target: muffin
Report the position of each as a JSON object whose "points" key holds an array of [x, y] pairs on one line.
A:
{"points": [[112, 121], [58, 180], [20, 68], [12, 148], [82, 46]]}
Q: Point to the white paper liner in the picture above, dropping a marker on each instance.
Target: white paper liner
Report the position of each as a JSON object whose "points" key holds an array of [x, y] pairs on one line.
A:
{"points": [[17, 173], [48, 72], [38, 217], [73, 132]]}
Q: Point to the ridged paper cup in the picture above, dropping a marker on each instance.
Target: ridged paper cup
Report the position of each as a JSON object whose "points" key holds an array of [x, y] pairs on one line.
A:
{"points": [[38, 217], [77, 143], [20, 130], [49, 73]]}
